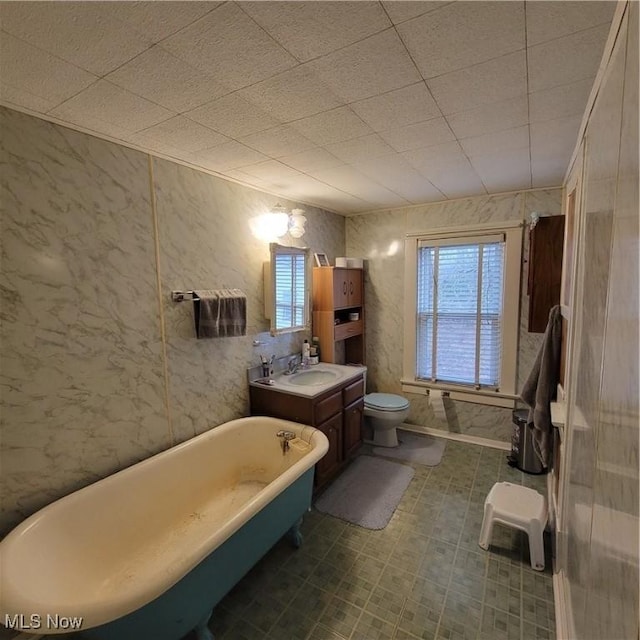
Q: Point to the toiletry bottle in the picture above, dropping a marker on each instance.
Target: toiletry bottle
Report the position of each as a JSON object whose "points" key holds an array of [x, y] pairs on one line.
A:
{"points": [[306, 349], [316, 343]]}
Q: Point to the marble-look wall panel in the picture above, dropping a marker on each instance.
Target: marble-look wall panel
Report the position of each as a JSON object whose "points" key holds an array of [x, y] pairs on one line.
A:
{"points": [[379, 238], [82, 379], [601, 553], [612, 597], [207, 242], [85, 377]]}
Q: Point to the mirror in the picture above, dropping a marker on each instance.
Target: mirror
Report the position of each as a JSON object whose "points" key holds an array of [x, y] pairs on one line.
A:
{"points": [[288, 289]]}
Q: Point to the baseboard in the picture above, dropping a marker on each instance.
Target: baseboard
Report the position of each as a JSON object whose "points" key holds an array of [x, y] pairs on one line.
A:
{"points": [[562, 605], [460, 437]]}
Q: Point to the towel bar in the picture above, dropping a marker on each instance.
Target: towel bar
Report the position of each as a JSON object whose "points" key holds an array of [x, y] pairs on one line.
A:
{"points": [[181, 296]]}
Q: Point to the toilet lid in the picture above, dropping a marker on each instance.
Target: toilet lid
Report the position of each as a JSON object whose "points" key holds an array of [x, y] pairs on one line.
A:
{"points": [[385, 401]]}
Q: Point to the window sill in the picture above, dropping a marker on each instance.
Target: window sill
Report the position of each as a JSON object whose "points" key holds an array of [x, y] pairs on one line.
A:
{"points": [[463, 394]]}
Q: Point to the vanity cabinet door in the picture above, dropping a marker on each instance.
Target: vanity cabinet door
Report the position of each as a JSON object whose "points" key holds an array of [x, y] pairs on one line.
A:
{"points": [[353, 417], [329, 465]]}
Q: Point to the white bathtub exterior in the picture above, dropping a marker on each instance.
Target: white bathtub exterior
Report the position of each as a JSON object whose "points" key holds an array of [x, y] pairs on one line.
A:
{"points": [[114, 546]]}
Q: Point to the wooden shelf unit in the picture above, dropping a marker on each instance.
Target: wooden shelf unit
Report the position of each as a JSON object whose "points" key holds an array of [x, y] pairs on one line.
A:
{"points": [[337, 292]]}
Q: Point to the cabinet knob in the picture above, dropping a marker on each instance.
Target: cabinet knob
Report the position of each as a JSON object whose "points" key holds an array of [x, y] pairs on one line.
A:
{"points": [[344, 288]]}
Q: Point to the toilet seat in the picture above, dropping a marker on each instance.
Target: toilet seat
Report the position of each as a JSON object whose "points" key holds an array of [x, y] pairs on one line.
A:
{"points": [[385, 402]]}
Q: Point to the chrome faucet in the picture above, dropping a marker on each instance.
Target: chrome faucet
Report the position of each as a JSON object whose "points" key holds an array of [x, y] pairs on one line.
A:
{"points": [[292, 366], [285, 437]]}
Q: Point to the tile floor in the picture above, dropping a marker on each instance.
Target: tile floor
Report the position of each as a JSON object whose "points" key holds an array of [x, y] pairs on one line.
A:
{"points": [[423, 576]]}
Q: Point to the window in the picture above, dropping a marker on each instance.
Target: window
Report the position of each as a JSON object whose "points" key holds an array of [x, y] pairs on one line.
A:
{"points": [[287, 289], [461, 310]]}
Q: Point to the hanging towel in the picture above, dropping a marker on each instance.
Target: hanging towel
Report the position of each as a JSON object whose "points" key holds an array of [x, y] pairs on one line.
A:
{"points": [[220, 313], [540, 388]]}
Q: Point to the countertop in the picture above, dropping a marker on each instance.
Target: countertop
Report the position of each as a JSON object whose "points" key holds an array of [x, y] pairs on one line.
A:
{"points": [[320, 378]]}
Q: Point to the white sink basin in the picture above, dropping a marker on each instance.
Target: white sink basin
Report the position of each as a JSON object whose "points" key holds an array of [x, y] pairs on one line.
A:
{"points": [[309, 378]]}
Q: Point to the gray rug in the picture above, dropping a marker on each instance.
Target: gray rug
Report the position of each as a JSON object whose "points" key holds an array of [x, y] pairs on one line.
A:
{"points": [[367, 493], [413, 447]]}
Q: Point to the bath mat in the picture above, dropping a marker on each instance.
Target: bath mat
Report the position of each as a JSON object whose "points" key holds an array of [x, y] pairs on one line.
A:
{"points": [[367, 493], [421, 449]]}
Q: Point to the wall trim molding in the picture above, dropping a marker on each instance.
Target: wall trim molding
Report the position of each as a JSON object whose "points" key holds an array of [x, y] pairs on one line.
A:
{"points": [[562, 605], [459, 437]]}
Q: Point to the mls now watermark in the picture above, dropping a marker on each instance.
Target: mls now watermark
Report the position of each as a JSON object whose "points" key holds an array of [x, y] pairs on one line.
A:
{"points": [[22, 622]]}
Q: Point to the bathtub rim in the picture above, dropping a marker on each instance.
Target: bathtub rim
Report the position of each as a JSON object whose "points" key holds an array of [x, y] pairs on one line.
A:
{"points": [[97, 611]]}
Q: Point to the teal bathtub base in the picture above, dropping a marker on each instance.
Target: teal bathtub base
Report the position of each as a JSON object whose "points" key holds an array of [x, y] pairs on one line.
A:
{"points": [[188, 604]]}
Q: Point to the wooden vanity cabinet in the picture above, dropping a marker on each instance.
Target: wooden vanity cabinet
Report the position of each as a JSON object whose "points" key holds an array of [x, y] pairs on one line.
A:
{"points": [[338, 292], [546, 240], [338, 413]]}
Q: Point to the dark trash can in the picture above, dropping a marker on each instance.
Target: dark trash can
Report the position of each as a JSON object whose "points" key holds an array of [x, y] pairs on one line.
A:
{"points": [[522, 454]]}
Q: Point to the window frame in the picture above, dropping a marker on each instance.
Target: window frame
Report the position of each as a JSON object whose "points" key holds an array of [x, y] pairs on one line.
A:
{"points": [[506, 393]]}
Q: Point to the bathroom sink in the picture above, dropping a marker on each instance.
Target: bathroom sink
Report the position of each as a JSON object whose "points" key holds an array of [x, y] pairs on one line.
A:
{"points": [[308, 378]]}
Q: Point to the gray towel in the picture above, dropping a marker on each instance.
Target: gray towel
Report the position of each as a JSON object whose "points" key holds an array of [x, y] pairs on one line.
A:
{"points": [[540, 388], [220, 313]]}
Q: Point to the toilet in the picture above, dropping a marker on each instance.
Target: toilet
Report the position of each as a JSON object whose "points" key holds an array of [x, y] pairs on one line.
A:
{"points": [[383, 412]]}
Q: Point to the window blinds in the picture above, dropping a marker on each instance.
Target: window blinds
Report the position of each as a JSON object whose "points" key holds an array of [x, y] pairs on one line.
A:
{"points": [[290, 290], [459, 310]]}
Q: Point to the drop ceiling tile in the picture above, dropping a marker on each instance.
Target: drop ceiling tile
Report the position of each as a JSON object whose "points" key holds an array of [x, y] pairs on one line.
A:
{"points": [[497, 142], [548, 172], [166, 80], [179, 133], [428, 158], [356, 149], [558, 102], [550, 20], [421, 134], [230, 155], [482, 84], [29, 71], [402, 10], [332, 126], [272, 172], [312, 29], [158, 20], [491, 117], [456, 180], [505, 171], [463, 34], [233, 116], [279, 141], [104, 102], [227, 44], [20, 99], [311, 160], [554, 138], [294, 94], [348, 179], [566, 60], [375, 65], [83, 33], [397, 108], [395, 173]]}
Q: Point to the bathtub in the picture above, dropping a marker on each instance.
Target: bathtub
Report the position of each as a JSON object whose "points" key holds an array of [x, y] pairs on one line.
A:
{"points": [[149, 551]]}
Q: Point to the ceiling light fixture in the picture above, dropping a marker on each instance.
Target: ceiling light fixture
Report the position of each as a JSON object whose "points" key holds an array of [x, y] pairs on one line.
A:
{"points": [[283, 222]]}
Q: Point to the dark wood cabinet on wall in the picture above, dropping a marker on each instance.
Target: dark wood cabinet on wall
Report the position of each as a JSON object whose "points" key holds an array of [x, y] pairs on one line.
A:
{"points": [[546, 240]]}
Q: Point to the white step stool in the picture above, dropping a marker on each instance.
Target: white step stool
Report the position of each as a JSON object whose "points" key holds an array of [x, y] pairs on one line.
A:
{"points": [[518, 507]]}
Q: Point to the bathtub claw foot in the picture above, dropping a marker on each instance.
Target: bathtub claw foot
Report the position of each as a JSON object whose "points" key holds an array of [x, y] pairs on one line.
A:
{"points": [[202, 629], [295, 535]]}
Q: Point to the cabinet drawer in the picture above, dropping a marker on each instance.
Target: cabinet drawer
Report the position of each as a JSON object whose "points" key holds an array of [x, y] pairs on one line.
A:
{"points": [[353, 392], [324, 409], [348, 329]]}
